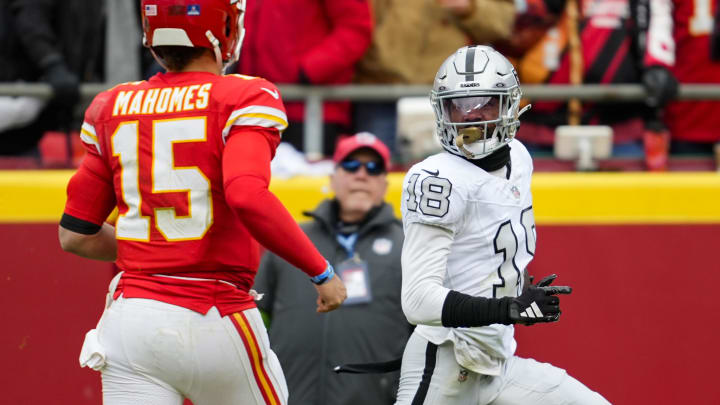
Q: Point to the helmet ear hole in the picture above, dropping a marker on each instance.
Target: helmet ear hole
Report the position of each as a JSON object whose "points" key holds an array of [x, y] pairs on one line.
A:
{"points": [[228, 27]]}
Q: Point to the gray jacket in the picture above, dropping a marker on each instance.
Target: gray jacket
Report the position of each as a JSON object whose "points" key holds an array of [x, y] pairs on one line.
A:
{"points": [[309, 344]]}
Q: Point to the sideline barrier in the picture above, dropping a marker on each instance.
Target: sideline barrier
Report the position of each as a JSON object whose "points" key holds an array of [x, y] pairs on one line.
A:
{"points": [[559, 198], [313, 97], [639, 251]]}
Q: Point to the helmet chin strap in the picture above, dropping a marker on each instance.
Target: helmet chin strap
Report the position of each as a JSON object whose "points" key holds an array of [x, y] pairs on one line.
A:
{"points": [[216, 47], [468, 136]]}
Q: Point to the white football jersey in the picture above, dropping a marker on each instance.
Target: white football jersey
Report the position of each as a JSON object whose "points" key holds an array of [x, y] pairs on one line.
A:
{"points": [[493, 226]]}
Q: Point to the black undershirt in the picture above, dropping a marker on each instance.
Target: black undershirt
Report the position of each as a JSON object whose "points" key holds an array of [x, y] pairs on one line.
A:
{"points": [[494, 161]]}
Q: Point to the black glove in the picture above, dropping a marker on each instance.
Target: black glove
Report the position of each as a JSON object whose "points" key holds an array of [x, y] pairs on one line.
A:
{"points": [[661, 86], [65, 84], [539, 303]]}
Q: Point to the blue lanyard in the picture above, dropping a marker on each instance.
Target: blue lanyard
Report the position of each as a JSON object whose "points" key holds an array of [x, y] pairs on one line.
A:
{"points": [[348, 242]]}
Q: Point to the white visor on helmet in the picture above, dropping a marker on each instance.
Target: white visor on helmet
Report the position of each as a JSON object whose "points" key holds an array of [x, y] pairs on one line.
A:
{"points": [[471, 110]]}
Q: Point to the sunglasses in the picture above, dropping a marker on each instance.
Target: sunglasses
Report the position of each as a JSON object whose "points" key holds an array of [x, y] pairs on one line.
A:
{"points": [[372, 168]]}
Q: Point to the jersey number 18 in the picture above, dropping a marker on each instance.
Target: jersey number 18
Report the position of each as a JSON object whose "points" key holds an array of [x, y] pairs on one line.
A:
{"points": [[434, 201]]}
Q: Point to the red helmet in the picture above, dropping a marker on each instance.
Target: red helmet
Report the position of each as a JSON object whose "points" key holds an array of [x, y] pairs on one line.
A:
{"points": [[214, 24]]}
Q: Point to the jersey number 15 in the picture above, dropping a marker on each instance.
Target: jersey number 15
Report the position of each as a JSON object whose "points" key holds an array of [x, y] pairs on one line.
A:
{"points": [[166, 178]]}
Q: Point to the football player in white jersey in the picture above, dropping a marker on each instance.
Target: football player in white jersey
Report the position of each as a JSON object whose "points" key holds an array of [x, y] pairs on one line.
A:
{"points": [[469, 235]]}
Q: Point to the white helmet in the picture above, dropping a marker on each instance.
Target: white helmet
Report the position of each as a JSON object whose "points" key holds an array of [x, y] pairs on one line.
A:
{"points": [[476, 97]]}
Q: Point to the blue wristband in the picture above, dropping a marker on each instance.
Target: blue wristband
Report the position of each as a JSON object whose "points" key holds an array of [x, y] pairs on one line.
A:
{"points": [[325, 276]]}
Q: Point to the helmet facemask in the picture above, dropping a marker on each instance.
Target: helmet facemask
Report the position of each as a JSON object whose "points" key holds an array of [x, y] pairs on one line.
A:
{"points": [[478, 123], [476, 97]]}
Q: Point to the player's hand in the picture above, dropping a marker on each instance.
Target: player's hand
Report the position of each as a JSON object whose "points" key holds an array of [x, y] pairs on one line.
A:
{"points": [[331, 294], [539, 303]]}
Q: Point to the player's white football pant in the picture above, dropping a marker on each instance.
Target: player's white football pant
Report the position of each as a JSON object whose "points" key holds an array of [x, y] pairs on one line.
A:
{"points": [[431, 375], [158, 353]]}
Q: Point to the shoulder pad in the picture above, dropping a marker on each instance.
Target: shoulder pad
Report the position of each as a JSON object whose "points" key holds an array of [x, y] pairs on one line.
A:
{"points": [[432, 195], [254, 102]]}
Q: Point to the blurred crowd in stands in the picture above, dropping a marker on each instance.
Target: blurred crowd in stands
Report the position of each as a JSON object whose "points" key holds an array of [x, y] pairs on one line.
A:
{"points": [[656, 43]]}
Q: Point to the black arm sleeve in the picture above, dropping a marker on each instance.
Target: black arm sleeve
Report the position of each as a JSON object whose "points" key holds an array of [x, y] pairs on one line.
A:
{"points": [[78, 225], [462, 310]]}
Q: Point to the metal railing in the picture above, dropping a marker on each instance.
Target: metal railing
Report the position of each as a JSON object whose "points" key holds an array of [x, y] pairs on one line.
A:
{"points": [[315, 95]]}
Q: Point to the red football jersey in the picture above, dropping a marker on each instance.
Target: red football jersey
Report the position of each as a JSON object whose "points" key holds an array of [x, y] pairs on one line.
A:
{"points": [[693, 22], [162, 141]]}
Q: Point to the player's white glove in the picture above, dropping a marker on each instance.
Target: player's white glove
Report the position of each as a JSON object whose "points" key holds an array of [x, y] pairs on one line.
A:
{"points": [[539, 303]]}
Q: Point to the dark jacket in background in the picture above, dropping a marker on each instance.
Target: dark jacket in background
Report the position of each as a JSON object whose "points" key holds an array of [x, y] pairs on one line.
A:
{"points": [[49, 30], [37, 34], [309, 344]]}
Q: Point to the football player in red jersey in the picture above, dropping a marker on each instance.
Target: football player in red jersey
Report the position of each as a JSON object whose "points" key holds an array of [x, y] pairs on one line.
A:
{"points": [[185, 157]]}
